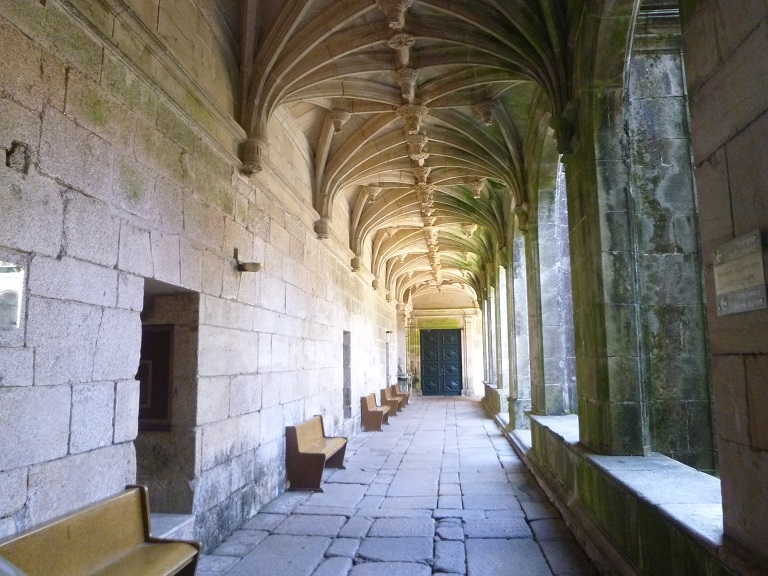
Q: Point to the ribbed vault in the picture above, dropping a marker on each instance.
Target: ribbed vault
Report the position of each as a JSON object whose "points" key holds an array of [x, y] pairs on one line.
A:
{"points": [[420, 114]]}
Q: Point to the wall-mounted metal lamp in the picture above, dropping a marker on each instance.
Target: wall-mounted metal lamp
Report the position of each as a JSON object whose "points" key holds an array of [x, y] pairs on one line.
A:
{"points": [[247, 266]]}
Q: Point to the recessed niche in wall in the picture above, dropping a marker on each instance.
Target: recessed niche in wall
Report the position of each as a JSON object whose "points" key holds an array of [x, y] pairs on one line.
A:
{"points": [[154, 376]]}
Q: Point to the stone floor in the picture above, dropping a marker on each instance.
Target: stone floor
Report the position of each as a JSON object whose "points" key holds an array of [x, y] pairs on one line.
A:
{"points": [[439, 491]]}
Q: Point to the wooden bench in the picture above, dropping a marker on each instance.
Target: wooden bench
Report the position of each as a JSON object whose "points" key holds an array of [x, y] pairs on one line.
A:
{"points": [[395, 404], [372, 416], [405, 396], [308, 450], [108, 538]]}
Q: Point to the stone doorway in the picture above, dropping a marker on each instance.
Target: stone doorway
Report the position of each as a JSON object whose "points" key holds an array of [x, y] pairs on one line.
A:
{"points": [[166, 442], [441, 367]]}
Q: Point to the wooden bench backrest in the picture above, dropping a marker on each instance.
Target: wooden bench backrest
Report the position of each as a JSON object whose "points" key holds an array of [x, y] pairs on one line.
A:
{"points": [[308, 432], [370, 402], [84, 540]]}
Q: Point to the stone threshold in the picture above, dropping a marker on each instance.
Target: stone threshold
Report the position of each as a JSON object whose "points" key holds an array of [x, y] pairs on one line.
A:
{"points": [[649, 509], [179, 526]]}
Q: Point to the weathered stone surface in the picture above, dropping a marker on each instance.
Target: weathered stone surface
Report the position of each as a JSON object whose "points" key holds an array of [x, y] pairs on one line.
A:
{"points": [[93, 411], [221, 351], [231, 437], [62, 485], [70, 279], [414, 549], [311, 525], [337, 566], [450, 557], [490, 502], [283, 554], [264, 521], [402, 527], [166, 258], [356, 527], [346, 547], [118, 346], [450, 529], [42, 414], [566, 558], [126, 411], [240, 543], [494, 558], [497, 528], [390, 569], [13, 491], [212, 565], [135, 254], [16, 366]]}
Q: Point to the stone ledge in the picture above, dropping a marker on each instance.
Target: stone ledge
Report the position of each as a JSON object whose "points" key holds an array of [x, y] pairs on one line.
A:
{"points": [[631, 514]]}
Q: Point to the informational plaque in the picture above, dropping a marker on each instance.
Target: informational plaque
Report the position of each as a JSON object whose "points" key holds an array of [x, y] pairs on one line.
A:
{"points": [[740, 275]]}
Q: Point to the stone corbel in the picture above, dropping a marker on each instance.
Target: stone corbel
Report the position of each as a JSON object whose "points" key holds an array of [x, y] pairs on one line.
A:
{"points": [[477, 187], [357, 264], [486, 109], [521, 213], [469, 229], [339, 118], [322, 228], [564, 126], [413, 114], [395, 11], [421, 173], [407, 77], [251, 155], [372, 192]]}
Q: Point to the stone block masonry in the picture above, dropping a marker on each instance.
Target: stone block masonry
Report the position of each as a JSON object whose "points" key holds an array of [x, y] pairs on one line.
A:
{"points": [[126, 195]]}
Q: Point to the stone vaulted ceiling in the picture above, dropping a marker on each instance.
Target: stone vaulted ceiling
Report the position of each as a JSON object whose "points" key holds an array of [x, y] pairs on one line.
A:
{"points": [[424, 116]]}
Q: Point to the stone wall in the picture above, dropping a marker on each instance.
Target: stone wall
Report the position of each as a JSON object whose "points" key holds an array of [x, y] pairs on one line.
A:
{"points": [[132, 175], [727, 76]]}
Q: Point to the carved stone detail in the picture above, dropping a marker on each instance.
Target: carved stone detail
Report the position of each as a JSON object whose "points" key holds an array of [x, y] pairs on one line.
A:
{"points": [[521, 213], [413, 115], [357, 264], [372, 192], [401, 41], [469, 229], [407, 77], [486, 109], [339, 118], [251, 155], [477, 187], [421, 173], [322, 228], [395, 11]]}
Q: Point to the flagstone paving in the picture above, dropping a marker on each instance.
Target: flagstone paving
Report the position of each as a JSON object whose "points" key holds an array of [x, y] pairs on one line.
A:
{"points": [[438, 491]]}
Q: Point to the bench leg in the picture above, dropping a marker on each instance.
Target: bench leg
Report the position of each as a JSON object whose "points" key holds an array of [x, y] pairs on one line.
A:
{"points": [[306, 473], [337, 460]]}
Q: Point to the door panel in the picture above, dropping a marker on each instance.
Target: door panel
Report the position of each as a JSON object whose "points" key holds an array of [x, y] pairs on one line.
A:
{"points": [[441, 362]]}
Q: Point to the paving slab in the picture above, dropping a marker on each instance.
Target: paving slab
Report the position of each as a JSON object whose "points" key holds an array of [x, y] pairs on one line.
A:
{"points": [[415, 550], [283, 554], [264, 521], [390, 569], [337, 566], [450, 557], [346, 547], [450, 529], [215, 565], [337, 495], [550, 529], [410, 502], [505, 557], [311, 525], [356, 527], [352, 477], [498, 528], [240, 543], [567, 558], [396, 527], [490, 502]]}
